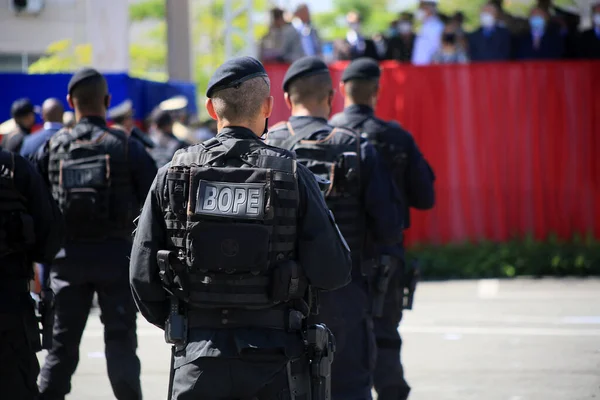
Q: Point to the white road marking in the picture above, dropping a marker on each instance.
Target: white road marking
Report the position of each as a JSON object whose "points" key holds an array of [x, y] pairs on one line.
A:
{"points": [[499, 330], [488, 288]]}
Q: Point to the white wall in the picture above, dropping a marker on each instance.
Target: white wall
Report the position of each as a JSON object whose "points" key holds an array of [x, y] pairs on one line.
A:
{"points": [[59, 20], [102, 23]]}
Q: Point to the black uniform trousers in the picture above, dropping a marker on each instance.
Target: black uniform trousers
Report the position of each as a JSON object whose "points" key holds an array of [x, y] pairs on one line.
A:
{"points": [[212, 378], [74, 284], [19, 366], [249, 363], [345, 311], [389, 380]]}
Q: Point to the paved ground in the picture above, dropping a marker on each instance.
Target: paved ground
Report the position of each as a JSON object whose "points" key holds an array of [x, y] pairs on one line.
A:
{"points": [[467, 340]]}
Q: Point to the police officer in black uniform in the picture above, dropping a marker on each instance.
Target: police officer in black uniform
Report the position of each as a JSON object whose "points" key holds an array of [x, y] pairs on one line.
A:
{"points": [[364, 202], [31, 230], [414, 178], [23, 113], [122, 116], [239, 236], [99, 177]]}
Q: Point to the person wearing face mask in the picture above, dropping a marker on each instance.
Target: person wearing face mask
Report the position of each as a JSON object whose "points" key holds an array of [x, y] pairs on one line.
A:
{"points": [[23, 113], [491, 42], [282, 43], [400, 45], [365, 203], [355, 45], [450, 52], [429, 39], [542, 42], [589, 43]]}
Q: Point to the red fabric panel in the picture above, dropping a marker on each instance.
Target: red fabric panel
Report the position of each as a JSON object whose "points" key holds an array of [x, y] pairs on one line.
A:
{"points": [[515, 146]]}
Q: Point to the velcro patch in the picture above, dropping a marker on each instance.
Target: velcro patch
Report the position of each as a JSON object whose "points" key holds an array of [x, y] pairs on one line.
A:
{"points": [[231, 200]]}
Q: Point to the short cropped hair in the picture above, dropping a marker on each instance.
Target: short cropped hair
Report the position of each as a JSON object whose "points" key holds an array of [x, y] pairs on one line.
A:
{"points": [[90, 94], [313, 88], [361, 91], [243, 103]]}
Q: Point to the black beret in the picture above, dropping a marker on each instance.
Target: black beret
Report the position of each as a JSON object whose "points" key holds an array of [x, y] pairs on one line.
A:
{"points": [[233, 73], [362, 68], [82, 75], [303, 67], [21, 107]]}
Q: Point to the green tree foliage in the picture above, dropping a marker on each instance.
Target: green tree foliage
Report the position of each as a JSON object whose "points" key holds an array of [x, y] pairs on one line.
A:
{"points": [[148, 9], [62, 56]]}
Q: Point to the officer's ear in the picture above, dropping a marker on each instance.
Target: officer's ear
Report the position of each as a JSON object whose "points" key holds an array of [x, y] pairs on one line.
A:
{"points": [[288, 102], [70, 102], [211, 109], [268, 106], [342, 89]]}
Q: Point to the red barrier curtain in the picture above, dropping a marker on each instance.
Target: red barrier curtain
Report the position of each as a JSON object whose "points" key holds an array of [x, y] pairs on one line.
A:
{"points": [[514, 146]]}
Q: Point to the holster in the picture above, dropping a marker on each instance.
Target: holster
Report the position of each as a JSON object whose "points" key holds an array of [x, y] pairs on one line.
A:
{"points": [[384, 271], [321, 349], [176, 326], [411, 279]]}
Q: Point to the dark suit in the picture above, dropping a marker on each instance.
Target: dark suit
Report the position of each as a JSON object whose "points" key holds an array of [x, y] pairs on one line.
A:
{"points": [[589, 44], [400, 49], [32, 143], [550, 48], [346, 51], [493, 44]]}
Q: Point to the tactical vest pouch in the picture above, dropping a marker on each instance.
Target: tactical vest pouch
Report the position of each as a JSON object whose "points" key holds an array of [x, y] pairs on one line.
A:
{"points": [[229, 223], [288, 282], [16, 233], [86, 182], [228, 247]]}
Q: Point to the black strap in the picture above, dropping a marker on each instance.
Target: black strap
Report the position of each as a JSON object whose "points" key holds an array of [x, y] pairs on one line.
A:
{"points": [[281, 319], [297, 138], [271, 162]]}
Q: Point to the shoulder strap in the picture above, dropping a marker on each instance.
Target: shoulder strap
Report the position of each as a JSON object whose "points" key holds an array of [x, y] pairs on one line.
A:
{"points": [[294, 139]]}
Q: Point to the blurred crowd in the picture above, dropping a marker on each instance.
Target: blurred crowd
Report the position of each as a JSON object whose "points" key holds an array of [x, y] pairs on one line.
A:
{"points": [[169, 127], [549, 33]]}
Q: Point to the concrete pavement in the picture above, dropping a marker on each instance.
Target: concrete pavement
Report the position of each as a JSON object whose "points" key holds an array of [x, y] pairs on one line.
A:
{"points": [[470, 340]]}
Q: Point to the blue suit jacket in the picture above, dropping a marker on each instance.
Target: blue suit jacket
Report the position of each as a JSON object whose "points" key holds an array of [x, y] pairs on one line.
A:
{"points": [[551, 47], [34, 142], [495, 46]]}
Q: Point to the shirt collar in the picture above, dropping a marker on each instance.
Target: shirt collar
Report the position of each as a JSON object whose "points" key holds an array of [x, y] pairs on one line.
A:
{"points": [[52, 125], [359, 109], [306, 119], [238, 132], [99, 121]]}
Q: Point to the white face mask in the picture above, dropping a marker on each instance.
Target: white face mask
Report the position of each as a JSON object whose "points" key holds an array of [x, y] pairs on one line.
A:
{"points": [[596, 19], [487, 20], [404, 27], [355, 26], [420, 14]]}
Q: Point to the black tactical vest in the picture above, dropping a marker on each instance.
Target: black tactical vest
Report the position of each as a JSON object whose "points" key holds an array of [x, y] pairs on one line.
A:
{"points": [[231, 219], [394, 154], [17, 233], [91, 181], [339, 162]]}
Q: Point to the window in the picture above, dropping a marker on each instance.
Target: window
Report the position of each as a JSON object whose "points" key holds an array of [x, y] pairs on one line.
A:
{"points": [[11, 62]]}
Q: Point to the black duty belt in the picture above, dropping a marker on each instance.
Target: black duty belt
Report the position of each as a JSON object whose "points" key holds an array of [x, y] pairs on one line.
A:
{"points": [[282, 319]]}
